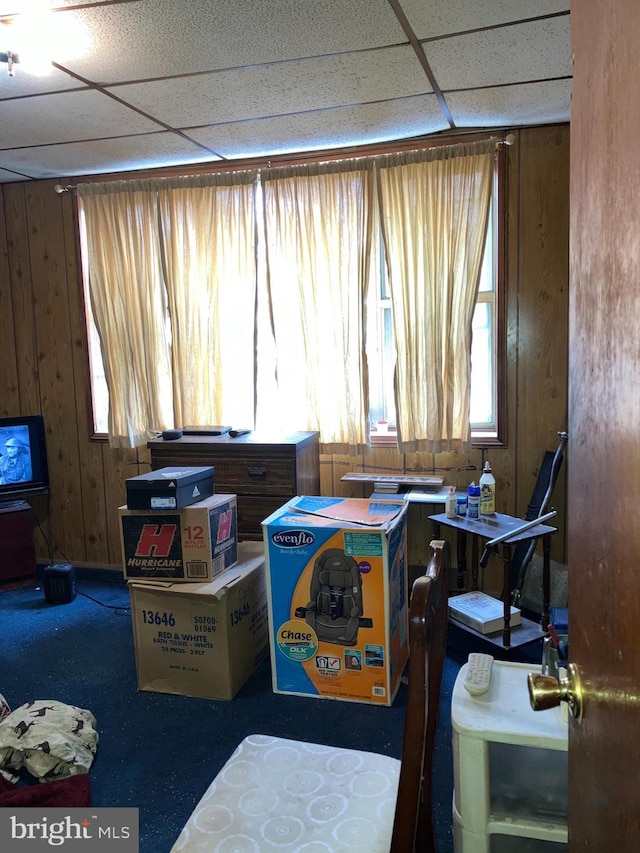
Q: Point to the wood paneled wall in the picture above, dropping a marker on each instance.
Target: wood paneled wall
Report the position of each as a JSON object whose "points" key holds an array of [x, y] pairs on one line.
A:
{"points": [[43, 360]]}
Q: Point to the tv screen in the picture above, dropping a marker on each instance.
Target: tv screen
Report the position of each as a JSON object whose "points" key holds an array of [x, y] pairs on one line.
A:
{"points": [[23, 458]]}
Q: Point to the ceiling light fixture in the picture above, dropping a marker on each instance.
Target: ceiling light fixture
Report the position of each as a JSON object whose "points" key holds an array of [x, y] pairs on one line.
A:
{"points": [[33, 34], [27, 35], [8, 56]]}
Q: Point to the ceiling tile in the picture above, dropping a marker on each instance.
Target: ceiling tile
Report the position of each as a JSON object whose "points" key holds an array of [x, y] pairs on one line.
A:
{"points": [[7, 177], [260, 78], [534, 51], [24, 84], [337, 128], [275, 89], [442, 17], [67, 116], [144, 151], [192, 35], [548, 102]]}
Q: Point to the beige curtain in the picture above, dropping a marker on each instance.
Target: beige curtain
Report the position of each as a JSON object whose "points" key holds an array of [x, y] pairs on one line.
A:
{"points": [[172, 282], [209, 237], [128, 301], [172, 278], [317, 222], [434, 210]]}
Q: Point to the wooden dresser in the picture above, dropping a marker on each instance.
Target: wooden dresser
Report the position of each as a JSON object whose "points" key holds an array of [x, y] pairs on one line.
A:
{"points": [[264, 472]]}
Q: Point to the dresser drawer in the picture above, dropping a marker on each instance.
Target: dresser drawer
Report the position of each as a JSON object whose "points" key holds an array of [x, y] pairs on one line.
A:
{"points": [[262, 473], [256, 476], [252, 512]]}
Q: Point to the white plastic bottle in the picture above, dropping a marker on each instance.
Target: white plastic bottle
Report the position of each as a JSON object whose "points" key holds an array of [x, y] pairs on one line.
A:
{"points": [[487, 491], [473, 500], [451, 506]]}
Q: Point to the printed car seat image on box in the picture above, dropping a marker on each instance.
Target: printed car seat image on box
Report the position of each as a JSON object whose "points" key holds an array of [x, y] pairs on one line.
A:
{"points": [[335, 605]]}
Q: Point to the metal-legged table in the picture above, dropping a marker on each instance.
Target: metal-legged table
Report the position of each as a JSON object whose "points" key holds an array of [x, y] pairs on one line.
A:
{"points": [[489, 527]]}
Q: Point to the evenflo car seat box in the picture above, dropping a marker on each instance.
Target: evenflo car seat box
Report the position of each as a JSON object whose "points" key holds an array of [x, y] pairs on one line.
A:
{"points": [[337, 597]]}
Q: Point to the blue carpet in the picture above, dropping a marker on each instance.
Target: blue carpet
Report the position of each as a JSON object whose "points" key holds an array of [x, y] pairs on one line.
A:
{"points": [[160, 752]]}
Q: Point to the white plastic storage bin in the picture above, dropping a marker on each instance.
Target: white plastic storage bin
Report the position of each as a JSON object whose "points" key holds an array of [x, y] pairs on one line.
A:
{"points": [[471, 842], [513, 844], [510, 768], [528, 783]]}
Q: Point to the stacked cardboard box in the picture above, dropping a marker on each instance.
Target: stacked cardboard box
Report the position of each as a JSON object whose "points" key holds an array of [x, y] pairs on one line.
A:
{"points": [[170, 488], [202, 639], [193, 544], [198, 599], [169, 532]]}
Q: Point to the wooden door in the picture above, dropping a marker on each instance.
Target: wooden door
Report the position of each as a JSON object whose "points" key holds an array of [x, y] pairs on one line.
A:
{"points": [[604, 426]]}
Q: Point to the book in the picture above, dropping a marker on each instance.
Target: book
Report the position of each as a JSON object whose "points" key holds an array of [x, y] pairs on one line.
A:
{"points": [[205, 430], [427, 481], [386, 488], [481, 612]]}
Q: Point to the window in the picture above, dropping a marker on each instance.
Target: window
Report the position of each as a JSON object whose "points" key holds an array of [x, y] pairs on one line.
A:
{"points": [[487, 334], [486, 427]]}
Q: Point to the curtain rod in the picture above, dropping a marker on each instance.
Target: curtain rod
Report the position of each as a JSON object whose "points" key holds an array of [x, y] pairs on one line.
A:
{"points": [[509, 139]]}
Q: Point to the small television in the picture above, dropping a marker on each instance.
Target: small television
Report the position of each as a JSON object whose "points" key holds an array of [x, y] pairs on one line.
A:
{"points": [[23, 458]]}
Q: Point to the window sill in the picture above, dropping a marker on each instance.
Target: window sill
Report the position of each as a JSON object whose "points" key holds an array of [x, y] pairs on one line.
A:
{"points": [[477, 441]]}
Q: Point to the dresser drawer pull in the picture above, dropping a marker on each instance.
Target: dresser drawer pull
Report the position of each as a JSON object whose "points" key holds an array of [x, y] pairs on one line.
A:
{"points": [[257, 473]]}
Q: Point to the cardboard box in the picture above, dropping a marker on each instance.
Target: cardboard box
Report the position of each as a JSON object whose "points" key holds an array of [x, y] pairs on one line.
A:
{"points": [[194, 544], [202, 640], [169, 488], [337, 594]]}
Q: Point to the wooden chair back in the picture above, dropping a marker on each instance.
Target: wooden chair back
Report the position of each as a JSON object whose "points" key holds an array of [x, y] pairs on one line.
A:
{"points": [[413, 830]]}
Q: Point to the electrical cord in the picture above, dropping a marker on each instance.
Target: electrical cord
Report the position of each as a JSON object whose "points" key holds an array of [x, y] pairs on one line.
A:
{"points": [[52, 548], [124, 609]]}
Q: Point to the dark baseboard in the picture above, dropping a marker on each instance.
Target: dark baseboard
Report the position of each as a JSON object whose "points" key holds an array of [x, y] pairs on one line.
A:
{"points": [[105, 574]]}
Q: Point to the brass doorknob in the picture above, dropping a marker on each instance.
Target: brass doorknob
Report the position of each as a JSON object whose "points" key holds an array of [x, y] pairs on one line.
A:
{"points": [[545, 691]]}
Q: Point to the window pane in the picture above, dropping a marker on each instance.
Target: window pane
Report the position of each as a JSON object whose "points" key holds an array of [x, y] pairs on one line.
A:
{"points": [[99, 390], [487, 273], [482, 411], [389, 368]]}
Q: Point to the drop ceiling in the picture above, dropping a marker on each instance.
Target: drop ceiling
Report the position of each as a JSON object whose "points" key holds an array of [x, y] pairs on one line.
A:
{"points": [[187, 82]]}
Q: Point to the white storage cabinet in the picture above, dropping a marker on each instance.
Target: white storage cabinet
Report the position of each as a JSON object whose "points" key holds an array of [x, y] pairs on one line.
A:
{"points": [[510, 768]]}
